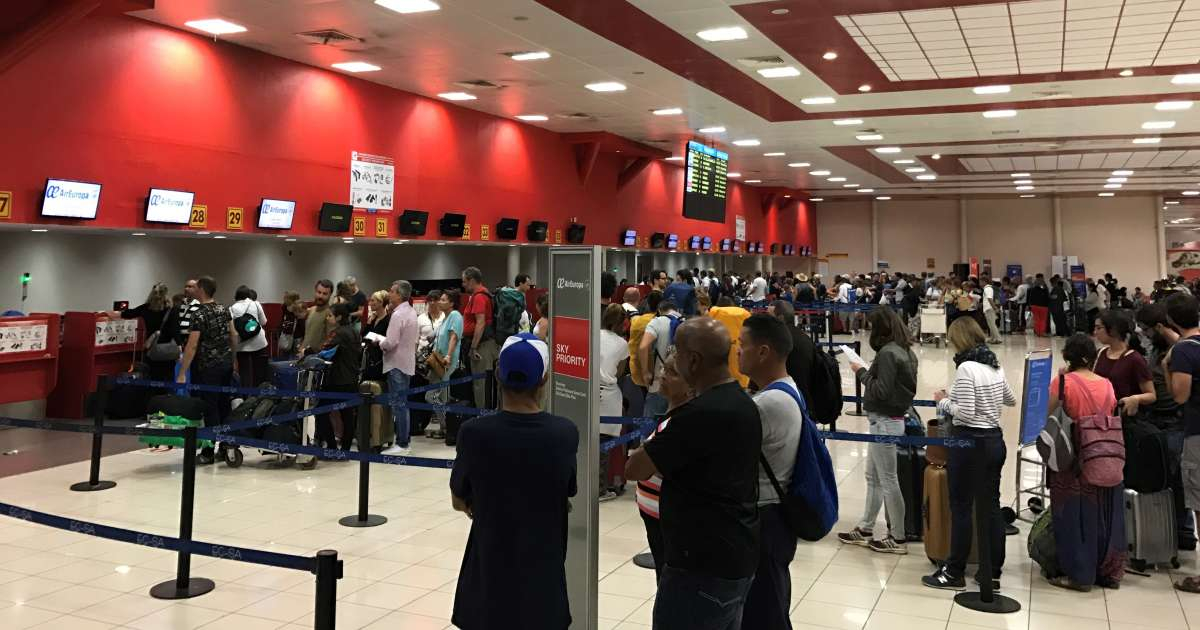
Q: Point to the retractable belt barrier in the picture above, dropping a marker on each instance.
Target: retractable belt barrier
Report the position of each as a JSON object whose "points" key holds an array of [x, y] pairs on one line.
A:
{"points": [[915, 403], [221, 431], [75, 427], [229, 389]]}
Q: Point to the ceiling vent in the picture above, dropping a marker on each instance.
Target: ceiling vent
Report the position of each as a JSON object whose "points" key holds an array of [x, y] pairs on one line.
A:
{"points": [[768, 61], [575, 116], [328, 37], [478, 84]]}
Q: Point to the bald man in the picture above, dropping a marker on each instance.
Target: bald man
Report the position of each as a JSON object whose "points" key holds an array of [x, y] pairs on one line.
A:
{"points": [[707, 453], [629, 301]]}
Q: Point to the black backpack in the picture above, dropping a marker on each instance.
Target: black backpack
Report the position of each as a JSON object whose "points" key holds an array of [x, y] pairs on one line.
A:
{"points": [[825, 404], [247, 326]]}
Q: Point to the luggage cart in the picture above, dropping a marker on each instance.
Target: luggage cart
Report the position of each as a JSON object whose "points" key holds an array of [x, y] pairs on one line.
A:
{"points": [[933, 325], [305, 375]]}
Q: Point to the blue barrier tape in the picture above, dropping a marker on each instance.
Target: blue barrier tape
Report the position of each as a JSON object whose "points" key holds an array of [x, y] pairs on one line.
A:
{"points": [[227, 552], [221, 430], [639, 434], [338, 454], [915, 403], [898, 440], [432, 386], [454, 409], [229, 389], [626, 420], [86, 427]]}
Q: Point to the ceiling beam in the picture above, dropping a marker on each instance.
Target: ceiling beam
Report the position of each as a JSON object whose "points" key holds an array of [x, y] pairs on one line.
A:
{"points": [[39, 27], [632, 170]]}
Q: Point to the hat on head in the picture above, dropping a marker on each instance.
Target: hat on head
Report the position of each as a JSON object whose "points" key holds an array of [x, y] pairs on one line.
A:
{"points": [[802, 278], [524, 361]]}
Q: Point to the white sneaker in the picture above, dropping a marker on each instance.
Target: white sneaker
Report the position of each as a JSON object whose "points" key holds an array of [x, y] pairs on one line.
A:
{"points": [[398, 451]]}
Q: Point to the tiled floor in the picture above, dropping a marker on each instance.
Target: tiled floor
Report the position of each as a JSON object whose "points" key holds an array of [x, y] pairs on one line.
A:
{"points": [[401, 576]]}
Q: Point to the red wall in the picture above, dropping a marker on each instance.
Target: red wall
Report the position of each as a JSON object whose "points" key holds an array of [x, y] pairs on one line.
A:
{"points": [[131, 105]]}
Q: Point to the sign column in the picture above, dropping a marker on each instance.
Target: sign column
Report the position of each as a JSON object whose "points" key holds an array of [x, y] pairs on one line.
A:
{"points": [[575, 394]]}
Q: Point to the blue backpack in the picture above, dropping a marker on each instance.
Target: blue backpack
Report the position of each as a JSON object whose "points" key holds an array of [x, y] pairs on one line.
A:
{"points": [[810, 506]]}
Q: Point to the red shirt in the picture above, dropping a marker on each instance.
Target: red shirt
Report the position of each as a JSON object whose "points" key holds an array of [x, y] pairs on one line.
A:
{"points": [[478, 303]]}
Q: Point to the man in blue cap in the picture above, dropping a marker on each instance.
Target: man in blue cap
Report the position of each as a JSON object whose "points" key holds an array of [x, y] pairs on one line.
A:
{"points": [[513, 573]]}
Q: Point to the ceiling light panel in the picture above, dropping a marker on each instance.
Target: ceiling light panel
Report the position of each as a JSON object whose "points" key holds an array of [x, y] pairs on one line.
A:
{"points": [[409, 6], [216, 26], [606, 86], [723, 34], [779, 73]]}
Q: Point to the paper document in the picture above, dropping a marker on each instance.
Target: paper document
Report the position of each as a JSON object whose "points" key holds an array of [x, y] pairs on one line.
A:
{"points": [[852, 356], [376, 337]]}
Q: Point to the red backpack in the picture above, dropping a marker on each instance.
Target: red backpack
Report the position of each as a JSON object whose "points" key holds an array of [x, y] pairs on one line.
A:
{"points": [[1101, 454]]}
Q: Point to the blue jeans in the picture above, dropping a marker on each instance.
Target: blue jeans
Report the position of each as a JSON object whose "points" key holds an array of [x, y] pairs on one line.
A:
{"points": [[656, 405], [398, 382], [691, 601]]}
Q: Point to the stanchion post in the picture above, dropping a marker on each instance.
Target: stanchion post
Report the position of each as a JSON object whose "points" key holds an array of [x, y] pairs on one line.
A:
{"points": [[362, 518], [184, 586], [329, 571], [986, 600], [100, 401], [858, 406]]}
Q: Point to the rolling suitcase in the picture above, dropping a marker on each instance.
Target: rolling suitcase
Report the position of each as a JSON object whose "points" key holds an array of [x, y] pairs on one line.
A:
{"points": [[383, 429], [935, 513], [1150, 529]]}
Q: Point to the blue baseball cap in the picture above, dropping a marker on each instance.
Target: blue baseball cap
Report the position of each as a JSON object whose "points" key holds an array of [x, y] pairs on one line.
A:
{"points": [[524, 362]]}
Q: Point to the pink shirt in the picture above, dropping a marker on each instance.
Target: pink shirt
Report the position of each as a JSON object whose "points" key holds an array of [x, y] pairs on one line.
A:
{"points": [[400, 346]]}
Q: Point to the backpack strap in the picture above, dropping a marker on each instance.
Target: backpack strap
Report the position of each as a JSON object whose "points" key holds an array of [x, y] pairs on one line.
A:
{"points": [[762, 459], [790, 391]]}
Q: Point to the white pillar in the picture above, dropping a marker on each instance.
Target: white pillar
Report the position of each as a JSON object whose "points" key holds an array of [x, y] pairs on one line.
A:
{"points": [[1058, 235], [871, 266], [962, 230], [514, 264], [1160, 234]]}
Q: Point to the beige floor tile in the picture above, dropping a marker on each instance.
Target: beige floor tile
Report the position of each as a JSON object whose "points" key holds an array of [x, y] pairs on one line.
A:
{"points": [[71, 622], [21, 617], [617, 606], [892, 621], [1166, 617], [280, 606], [831, 593], [242, 622], [914, 605], [1076, 605], [407, 621], [72, 598], [176, 617], [350, 616], [421, 576], [831, 615], [435, 604], [385, 595], [1013, 621], [123, 609]]}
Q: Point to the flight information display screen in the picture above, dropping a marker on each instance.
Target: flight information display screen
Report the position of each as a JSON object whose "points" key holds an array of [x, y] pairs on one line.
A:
{"points": [[704, 188]]}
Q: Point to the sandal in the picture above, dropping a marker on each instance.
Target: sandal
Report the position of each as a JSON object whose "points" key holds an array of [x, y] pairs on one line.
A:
{"points": [[1189, 584]]}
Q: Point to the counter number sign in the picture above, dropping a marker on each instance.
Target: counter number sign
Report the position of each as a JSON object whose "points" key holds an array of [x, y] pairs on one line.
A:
{"points": [[199, 217], [360, 226], [381, 227], [5, 204], [558, 237], [484, 232], [466, 231], [235, 218]]}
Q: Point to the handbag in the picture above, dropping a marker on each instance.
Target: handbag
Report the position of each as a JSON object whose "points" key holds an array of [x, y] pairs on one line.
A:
{"points": [[162, 351], [434, 362]]}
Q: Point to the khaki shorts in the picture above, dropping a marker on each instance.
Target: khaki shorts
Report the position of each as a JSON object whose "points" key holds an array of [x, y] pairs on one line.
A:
{"points": [[1190, 465]]}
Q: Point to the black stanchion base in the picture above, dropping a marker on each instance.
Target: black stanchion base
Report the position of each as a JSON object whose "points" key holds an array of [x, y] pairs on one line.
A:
{"points": [[84, 486], [644, 560], [372, 520], [999, 604], [860, 414], [170, 590]]}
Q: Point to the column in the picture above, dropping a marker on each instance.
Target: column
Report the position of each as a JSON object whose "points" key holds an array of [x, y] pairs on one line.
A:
{"points": [[1058, 235], [871, 266], [1160, 234], [514, 264], [962, 230]]}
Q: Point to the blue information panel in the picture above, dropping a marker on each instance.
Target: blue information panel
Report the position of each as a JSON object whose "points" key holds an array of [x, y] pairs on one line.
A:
{"points": [[1039, 370]]}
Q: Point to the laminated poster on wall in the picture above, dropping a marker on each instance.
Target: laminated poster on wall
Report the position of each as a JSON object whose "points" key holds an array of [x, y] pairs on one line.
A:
{"points": [[739, 227], [1184, 262], [16, 337], [116, 332], [372, 181]]}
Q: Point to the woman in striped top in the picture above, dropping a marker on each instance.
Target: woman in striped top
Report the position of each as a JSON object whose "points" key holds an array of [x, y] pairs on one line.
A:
{"points": [[974, 405], [676, 392]]}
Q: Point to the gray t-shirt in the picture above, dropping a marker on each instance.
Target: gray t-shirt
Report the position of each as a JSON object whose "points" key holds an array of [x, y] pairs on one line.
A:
{"points": [[782, 423], [660, 327]]}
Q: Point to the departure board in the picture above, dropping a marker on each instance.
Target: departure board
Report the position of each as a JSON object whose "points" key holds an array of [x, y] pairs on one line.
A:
{"points": [[704, 190]]}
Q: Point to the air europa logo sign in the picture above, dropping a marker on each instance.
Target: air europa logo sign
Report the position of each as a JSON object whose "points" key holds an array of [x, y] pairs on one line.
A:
{"points": [[163, 200], [564, 283], [56, 191]]}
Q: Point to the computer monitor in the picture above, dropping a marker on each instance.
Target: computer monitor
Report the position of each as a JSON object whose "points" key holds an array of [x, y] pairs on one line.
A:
{"points": [[413, 222], [335, 217], [575, 233], [536, 231], [452, 224], [506, 229]]}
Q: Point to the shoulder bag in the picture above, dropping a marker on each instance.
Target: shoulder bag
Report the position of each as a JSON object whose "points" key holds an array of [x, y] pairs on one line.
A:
{"points": [[158, 350]]}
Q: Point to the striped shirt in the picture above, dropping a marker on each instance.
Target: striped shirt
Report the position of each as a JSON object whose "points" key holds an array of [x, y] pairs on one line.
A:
{"points": [[975, 399], [649, 490]]}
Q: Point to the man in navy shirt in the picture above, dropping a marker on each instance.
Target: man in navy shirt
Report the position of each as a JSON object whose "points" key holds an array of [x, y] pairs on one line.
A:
{"points": [[682, 293], [513, 574]]}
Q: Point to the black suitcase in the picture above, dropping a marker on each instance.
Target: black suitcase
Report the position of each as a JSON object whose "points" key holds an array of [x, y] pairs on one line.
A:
{"points": [[1147, 460], [172, 405], [910, 469]]}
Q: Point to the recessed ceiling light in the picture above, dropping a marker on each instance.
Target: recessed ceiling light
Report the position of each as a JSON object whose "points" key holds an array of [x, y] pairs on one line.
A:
{"points": [[992, 89], [1190, 193], [138, 234], [533, 117], [1185, 79], [674, 158], [829, 56], [774, 154], [781, 72], [457, 96], [723, 34], [753, 181], [904, 161], [927, 177], [867, 137], [883, 198], [1117, 180], [409, 6], [1019, 175], [1000, 113], [866, 190], [1158, 124], [836, 179], [1122, 173], [842, 122], [818, 100], [1170, 106], [1027, 196], [606, 86], [1107, 194], [820, 173], [849, 185], [1112, 185], [816, 199], [39, 230], [799, 164], [712, 130], [735, 175], [529, 56], [356, 66], [668, 111], [1147, 140], [1024, 187], [915, 169], [1022, 181], [887, 149], [216, 26], [864, 88], [1126, 72], [747, 142]]}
